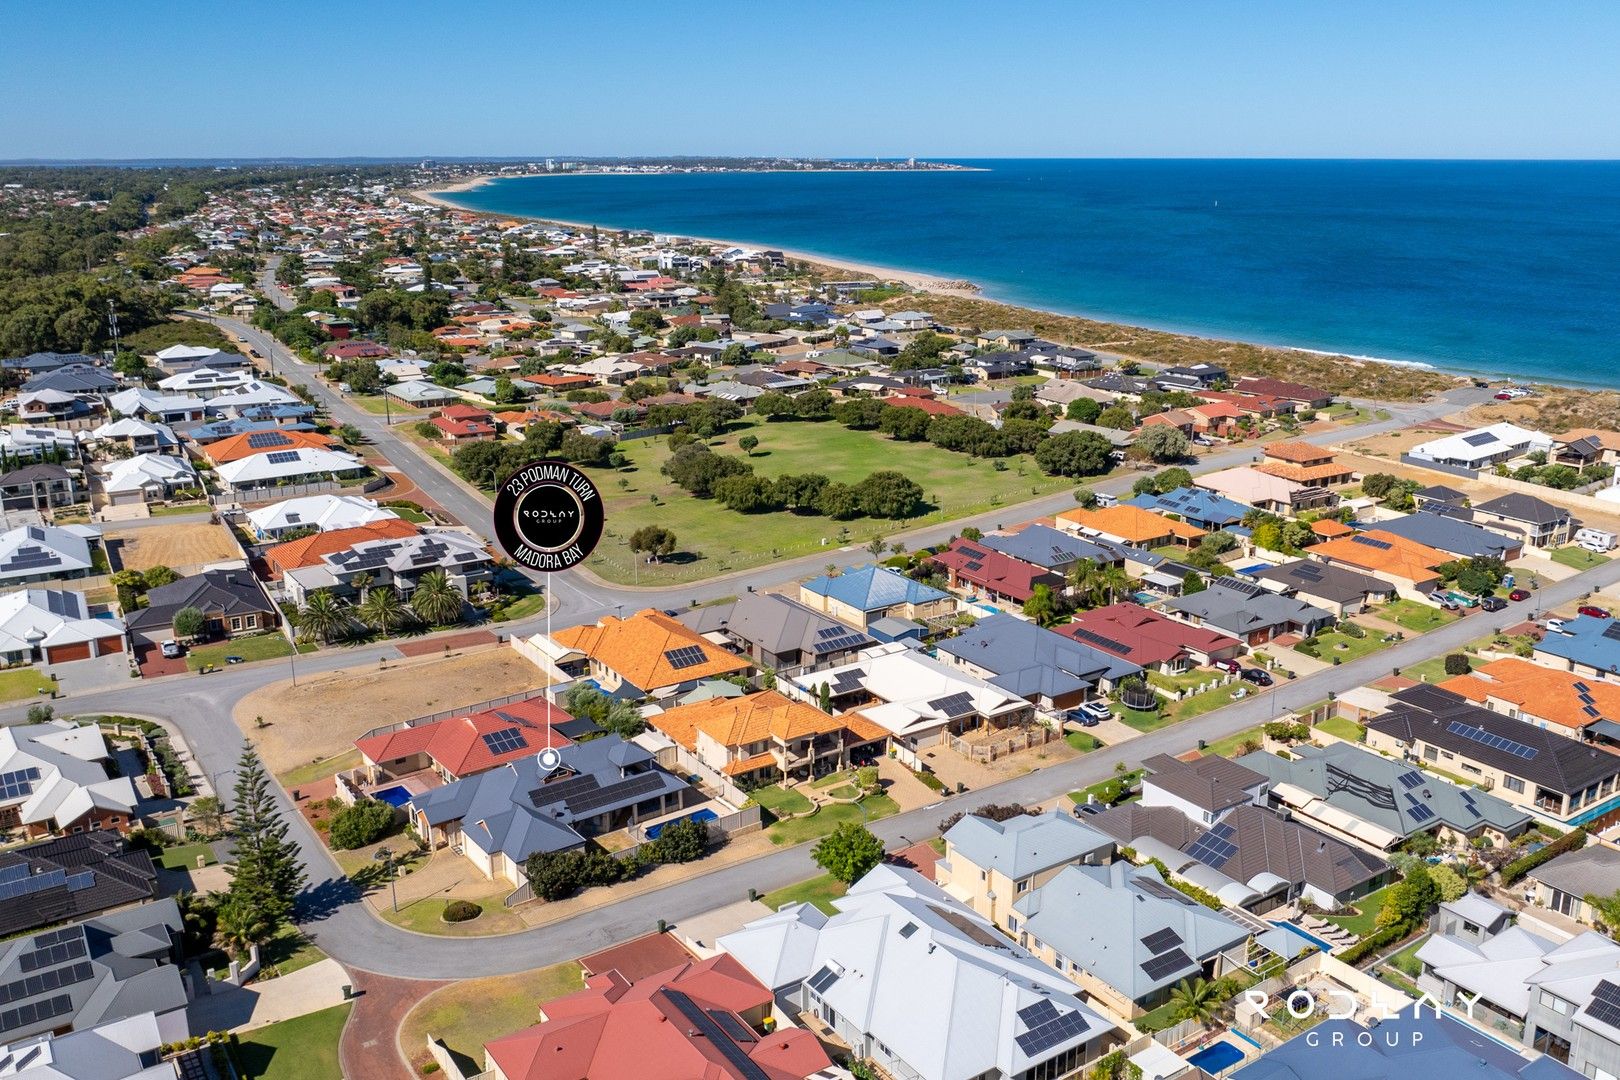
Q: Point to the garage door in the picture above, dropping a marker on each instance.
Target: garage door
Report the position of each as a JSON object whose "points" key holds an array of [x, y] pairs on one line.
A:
{"points": [[57, 654], [110, 645]]}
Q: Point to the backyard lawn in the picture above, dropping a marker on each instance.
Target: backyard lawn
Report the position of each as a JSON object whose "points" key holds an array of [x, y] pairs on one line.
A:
{"points": [[1343, 727], [258, 647], [1578, 557], [468, 1014], [1434, 669], [1335, 644], [23, 683], [304, 1048], [1142, 720], [1369, 906], [1413, 615], [828, 818], [779, 800], [820, 891], [184, 856]]}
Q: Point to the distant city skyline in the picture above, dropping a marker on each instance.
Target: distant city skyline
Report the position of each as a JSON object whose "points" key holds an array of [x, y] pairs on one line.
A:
{"points": [[1449, 79]]}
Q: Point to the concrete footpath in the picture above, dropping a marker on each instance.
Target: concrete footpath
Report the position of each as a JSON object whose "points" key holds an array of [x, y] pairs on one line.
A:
{"points": [[307, 990]]}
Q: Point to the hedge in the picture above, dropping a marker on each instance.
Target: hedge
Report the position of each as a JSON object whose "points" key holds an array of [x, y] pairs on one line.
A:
{"points": [[1516, 869], [1389, 935]]}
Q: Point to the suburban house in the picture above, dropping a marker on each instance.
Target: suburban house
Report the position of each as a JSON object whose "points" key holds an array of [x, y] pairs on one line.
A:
{"points": [[153, 407], [705, 1018], [73, 876], [1377, 802], [1248, 612], [1412, 568], [1306, 397], [35, 554], [1556, 778], [231, 601], [1563, 884], [42, 486], [1194, 505], [147, 478], [989, 864], [1127, 524], [648, 654], [55, 781], [1594, 446], [777, 633], [869, 594], [500, 817], [1335, 589], [928, 989], [138, 436], [974, 569], [289, 555], [458, 424], [1555, 996], [54, 626], [1275, 494], [1559, 701], [1049, 548], [767, 738], [1481, 448], [118, 966], [248, 444], [1125, 936], [1538, 522], [919, 700], [1586, 645], [400, 562], [1051, 671], [1149, 640], [204, 382], [1447, 530], [257, 475], [457, 747], [425, 395], [319, 512], [1304, 463]]}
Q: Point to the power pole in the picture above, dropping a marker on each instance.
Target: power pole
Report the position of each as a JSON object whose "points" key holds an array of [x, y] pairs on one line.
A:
{"points": [[112, 322]]}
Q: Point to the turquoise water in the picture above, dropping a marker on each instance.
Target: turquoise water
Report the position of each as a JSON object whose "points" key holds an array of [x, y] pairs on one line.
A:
{"points": [[1502, 267], [1216, 1058]]}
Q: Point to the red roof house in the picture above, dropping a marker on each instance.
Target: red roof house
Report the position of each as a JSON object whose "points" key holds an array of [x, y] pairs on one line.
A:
{"points": [[699, 1020], [355, 349], [1148, 639], [971, 567], [466, 745]]}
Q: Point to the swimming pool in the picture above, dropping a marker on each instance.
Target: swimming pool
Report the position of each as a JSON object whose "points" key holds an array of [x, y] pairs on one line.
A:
{"points": [[1216, 1057], [1325, 946], [701, 815], [398, 795]]}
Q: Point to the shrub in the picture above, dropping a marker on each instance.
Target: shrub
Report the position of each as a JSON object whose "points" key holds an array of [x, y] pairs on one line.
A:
{"points": [[1516, 869], [461, 911], [1457, 664], [358, 825], [1354, 630], [680, 841], [1372, 943]]}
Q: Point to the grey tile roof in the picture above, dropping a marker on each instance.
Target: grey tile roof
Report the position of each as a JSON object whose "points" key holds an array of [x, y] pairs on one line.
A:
{"points": [[1226, 606], [213, 592], [1522, 507], [1044, 546], [776, 624], [1025, 659], [1027, 844], [101, 871], [1449, 534], [1337, 583], [1593, 869], [1209, 783]]}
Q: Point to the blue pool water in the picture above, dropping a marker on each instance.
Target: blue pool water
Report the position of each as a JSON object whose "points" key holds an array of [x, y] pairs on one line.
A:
{"points": [[701, 815], [1325, 946], [393, 796], [1213, 1059]]}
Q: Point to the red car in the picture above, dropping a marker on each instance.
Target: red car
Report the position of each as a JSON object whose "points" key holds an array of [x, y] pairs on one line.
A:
{"points": [[1593, 611], [1518, 594]]}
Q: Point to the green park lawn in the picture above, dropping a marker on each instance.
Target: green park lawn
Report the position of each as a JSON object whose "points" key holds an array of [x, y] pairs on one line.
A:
{"points": [[1329, 644], [954, 485], [23, 683], [1415, 616], [258, 647], [828, 818], [304, 1048], [820, 891], [1578, 557]]}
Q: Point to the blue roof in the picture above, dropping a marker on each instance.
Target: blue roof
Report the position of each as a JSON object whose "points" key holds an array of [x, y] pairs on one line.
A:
{"points": [[872, 588], [1026, 659], [224, 429], [1042, 545], [1585, 640], [1194, 504], [1407, 1045]]}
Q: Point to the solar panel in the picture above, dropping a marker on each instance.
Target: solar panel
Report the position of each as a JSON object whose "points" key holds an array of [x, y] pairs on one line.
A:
{"points": [[35, 1012], [1212, 850], [1160, 940], [831, 632], [46, 981], [1091, 637], [838, 644], [1062, 1029], [821, 980], [1381, 545], [1041, 1012], [1495, 742], [684, 657], [705, 1022], [1605, 1004], [1590, 711], [505, 740], [1582, 688], [1165, 964], [259, 440], [1416, 810], [36, 883], [1479, 438], [53, 955], [953, 705], [1410, 779], [590, 802], [282, 457], [846, 681], [14, 871]]}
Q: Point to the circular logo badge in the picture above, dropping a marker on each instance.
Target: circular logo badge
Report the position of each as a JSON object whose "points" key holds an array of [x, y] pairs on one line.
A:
{"points": [[548, 516]]}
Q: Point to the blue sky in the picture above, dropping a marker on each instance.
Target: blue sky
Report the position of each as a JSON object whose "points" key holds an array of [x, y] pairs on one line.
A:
{"points": [[1201, 78]]}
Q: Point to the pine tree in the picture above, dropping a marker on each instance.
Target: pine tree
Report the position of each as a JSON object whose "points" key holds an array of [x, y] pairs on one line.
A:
{"points": [[267, 874]]}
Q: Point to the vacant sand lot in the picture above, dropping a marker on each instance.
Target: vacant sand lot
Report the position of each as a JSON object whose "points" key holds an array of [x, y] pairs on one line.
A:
{"points": [[174, 546], [322, 716]]}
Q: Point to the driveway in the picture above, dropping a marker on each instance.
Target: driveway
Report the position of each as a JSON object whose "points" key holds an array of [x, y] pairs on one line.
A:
{"points": [[154, 664]]}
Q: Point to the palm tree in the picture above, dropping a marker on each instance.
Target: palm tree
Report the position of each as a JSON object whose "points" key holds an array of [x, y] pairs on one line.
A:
{"points": [[1095, 584], [1197, 1000], [324, 615], [239, 928], [435, 600], [383, 610]]}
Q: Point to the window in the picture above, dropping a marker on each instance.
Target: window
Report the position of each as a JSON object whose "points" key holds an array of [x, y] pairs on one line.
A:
{"points": [[1513, 783], [1430, 754], [236, 622], [1012, 925], [1556, 1004], [1023, 886]]}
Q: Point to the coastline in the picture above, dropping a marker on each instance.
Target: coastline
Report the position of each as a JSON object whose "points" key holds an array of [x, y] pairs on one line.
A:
{"points": [[1368, 377]]}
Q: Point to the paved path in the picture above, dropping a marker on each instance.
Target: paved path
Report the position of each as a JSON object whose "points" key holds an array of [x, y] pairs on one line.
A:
{"points": [[268, 1001], [370, 1048]]}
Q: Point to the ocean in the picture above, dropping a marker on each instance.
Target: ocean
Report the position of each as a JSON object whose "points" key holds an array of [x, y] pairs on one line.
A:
{"points": [[1508, 268]]}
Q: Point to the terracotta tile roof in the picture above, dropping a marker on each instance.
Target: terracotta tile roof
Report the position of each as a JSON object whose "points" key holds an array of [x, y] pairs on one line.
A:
{"points": [[1540, 692], [1609, 440], [638, 649], [1298, 453], [1304, 474], [457, 745], [265, 442], [738, 721], [1376, 549], [1143, 637], [863, 729], [1328, 529], [559, 381], [1130, 523], [464, 412], [748, 765], [308, 551], [993, 570]]}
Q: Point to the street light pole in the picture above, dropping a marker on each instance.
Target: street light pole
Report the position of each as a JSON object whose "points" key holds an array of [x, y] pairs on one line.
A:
{"points": [[386, 857]]}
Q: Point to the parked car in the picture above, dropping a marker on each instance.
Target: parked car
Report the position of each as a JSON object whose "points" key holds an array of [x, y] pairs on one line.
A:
{"points": [[1492, 603], [1256, 676], [1555, 625], [1231, 667], [1090, 713], [172, 650], [1087, 809], [1519, 594], [1593, 611]]}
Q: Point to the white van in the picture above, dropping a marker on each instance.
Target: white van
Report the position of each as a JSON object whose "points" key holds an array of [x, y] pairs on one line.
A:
{"points": [[1596, 540]]}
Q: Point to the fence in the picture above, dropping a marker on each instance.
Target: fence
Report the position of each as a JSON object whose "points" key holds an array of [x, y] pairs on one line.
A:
{"points": [[1425, 463], [445, 714], [1011, 743]]}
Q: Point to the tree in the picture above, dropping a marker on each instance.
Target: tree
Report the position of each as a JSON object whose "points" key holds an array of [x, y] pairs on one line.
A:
{"points": [[1041, 605], [1198, 1000], [1457, 664], [265, 875], [681, 841], [748, 443], [1083, 410], [361, 823], [1378, 485], [1074, 453], [1117, 417], [158, 576], [1191, 582], [1409, 902], [653, 540], [838, 501], [1095, 584], [383, 610], [848, 852], [324, 616], [189, 623], [239, 925], [1161, 442], [41, 714], [208, 811], [1268, 536], [1606, 908], [889, 494], [747, 494], [436, 601], [1451, 884]]}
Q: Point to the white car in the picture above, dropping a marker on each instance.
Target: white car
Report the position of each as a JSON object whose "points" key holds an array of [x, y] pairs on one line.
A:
{"points": [[1554, 625], [1094, 711], [171, 650]]}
